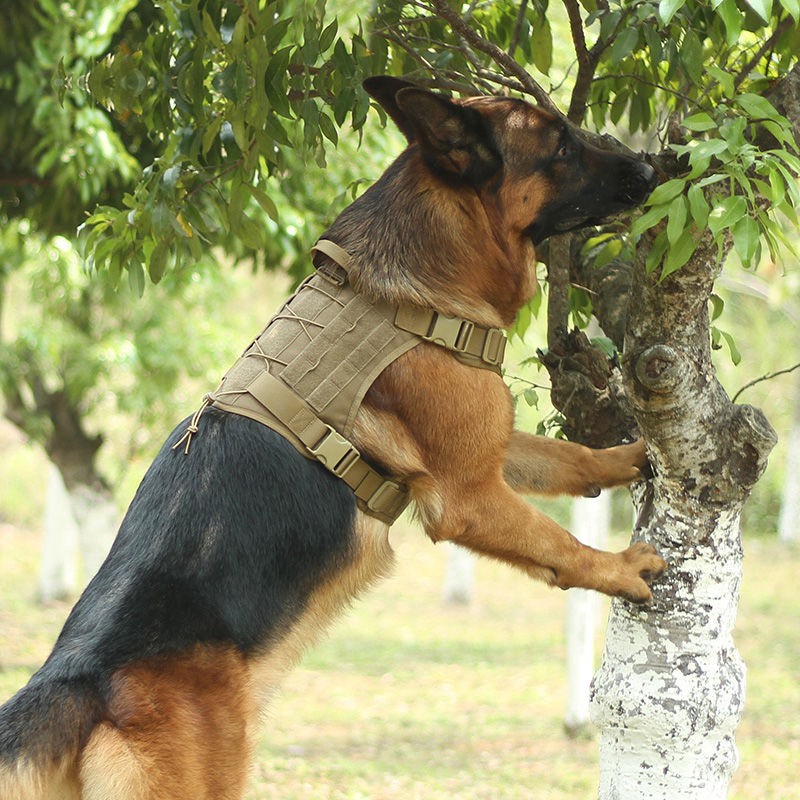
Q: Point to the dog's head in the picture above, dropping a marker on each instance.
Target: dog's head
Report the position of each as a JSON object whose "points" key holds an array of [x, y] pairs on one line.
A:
{"points": [[541, 177]]}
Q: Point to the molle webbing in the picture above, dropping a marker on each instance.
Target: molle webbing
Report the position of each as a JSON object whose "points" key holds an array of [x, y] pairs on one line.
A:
{"points": [[471, 344], [305, 375]]}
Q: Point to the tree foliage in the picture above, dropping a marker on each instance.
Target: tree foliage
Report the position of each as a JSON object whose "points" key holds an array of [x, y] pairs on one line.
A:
{"points": [[194, 127]]}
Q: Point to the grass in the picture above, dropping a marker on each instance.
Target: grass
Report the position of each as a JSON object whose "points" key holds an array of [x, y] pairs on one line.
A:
{"points": [[410, 699]]}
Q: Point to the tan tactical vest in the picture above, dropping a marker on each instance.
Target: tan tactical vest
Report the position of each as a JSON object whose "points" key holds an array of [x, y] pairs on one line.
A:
{"points": [[306, 374]]}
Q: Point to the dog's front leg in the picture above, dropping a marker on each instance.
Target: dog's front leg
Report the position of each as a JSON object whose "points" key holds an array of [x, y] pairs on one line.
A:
{"points": [[540, 465], [495, 521]]}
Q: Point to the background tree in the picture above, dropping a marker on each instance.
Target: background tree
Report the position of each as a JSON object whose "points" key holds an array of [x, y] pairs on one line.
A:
{"points": [[64, 152]]}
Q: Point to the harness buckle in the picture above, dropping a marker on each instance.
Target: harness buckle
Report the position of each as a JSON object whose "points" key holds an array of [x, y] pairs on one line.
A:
{"points": [[389, 499], [335, 452], [494, 347], [450, 332]]}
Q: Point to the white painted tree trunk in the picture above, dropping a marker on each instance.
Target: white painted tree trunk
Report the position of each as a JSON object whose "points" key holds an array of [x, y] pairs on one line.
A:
{"points": [[58, 570], [79, 529], [591, 520], [98, 521], [789, 520], [670, 691], [459, 577]]}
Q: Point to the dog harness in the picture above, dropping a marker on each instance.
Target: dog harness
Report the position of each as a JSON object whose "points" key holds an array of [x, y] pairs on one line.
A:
{"points": [[305, 375]]}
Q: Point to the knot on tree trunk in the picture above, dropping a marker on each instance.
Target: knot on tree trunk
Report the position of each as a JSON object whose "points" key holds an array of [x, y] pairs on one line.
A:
{"points": [[587, 390], [663, 374], [752, 439]]}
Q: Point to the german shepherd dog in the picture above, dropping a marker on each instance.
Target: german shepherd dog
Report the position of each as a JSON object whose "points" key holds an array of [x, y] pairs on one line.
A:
{"points": [[230, 561]]}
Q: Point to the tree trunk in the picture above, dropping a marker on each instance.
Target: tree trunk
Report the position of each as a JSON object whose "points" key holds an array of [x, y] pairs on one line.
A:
{"points": [[459, 577], [98, 520], [789, 520], [58, 571], [669, 694], [591, 520]]}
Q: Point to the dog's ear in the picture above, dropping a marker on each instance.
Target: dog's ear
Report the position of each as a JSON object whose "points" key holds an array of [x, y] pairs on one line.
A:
{"points": [[453, 137], [383, 88]]}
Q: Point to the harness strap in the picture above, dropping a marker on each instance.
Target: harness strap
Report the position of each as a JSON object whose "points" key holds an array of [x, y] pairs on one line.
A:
{"points": [[473, 344], [453, 333], [376, 495]]}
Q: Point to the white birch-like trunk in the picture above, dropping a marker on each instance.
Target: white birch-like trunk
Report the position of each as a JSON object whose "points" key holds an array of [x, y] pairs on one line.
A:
{"points": [[670, 692], [591, 520], [789, 520], [98, 520], [459, 576], [79, 528], [58, 569]]}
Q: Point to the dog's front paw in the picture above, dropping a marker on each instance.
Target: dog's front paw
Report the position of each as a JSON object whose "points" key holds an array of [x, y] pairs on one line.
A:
{"points": [[623, 464], [643, 565]]}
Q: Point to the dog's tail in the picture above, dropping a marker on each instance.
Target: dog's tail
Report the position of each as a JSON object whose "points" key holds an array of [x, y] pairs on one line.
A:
{"points": [[42, 730]]}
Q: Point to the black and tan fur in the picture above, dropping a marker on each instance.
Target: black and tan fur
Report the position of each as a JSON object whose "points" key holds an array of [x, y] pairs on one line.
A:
{"points": [[231, 559]]}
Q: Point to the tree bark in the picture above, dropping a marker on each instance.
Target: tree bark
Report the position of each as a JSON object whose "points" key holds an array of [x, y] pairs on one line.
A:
{"points": [[58, 569], [669, 694]]}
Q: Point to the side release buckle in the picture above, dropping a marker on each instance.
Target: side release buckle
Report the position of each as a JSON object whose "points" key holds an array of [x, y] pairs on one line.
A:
{"points": [[450, 332], [335, 452]]}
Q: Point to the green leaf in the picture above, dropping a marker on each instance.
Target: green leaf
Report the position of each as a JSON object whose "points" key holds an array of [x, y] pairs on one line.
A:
{"points": [[726, 213], [725, 80], [666, 192], [717, 306], [136, 278], [531, 397], [157, 263], [746, 234], [606, 345], [699, 122], [328, 35], [733, 20], [717, 335], [757, 107], [266, 202], [651, 35], [657, 251], [762, 7], [651, 217], [677, 219], [624, 44], [679, 253], [698, 205], [542, 44], [668, 8], [692, 55], [328, 128], [792, 8]]}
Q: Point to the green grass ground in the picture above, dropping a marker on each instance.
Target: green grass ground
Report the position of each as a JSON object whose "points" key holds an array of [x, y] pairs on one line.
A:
{"points": [[409, 699]]}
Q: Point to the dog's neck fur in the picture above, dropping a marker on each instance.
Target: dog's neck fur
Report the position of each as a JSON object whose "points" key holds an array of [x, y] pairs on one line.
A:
{"points": [[424, 254]]}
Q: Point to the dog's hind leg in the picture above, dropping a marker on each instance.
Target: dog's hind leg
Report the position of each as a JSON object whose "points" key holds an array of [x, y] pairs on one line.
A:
{"points": [[178, 730]]}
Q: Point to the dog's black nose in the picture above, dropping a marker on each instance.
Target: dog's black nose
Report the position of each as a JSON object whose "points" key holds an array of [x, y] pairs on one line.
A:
{"points": [[640, 179], [648, 175]]}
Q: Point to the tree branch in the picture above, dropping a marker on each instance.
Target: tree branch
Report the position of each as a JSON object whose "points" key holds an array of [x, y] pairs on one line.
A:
{"points": [[753, 62], [517, 28], [500, 57], [766, 377]]}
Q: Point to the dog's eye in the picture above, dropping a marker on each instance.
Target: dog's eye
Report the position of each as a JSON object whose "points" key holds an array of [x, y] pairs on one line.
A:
{"points": [[563, 151]]}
